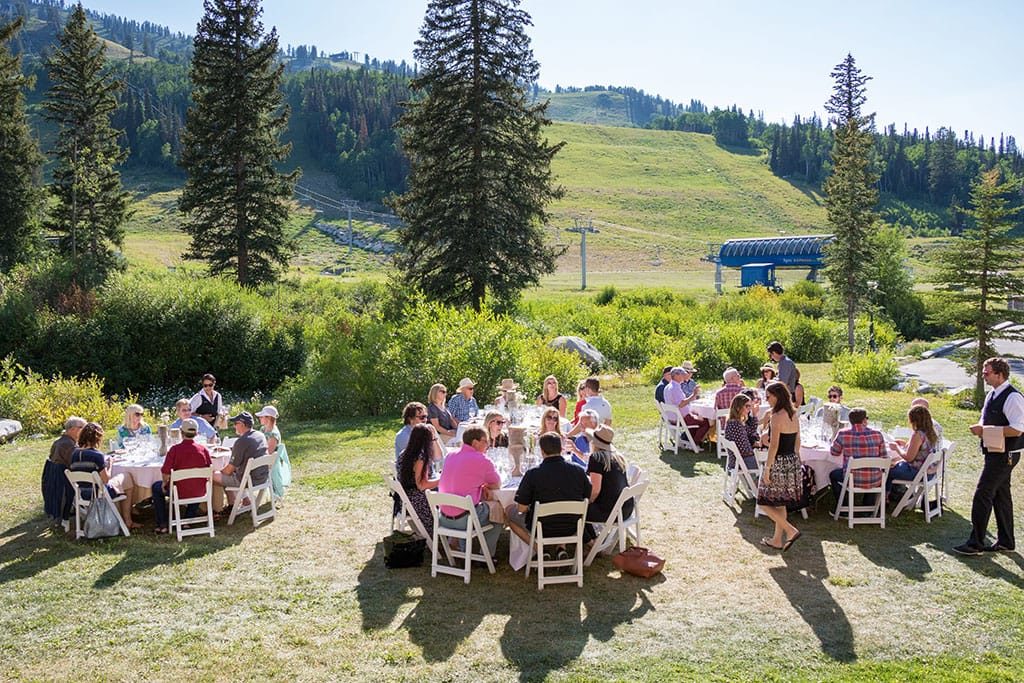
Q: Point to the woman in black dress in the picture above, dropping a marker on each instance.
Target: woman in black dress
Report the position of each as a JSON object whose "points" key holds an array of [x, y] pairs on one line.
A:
{"points": [[414, 474], [550, 396], [781, 482]]}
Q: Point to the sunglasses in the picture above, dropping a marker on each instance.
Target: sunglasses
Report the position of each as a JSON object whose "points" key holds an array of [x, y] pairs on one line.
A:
{"points": [[208, 386], [501, 422], [833, 395], [420, 417]]}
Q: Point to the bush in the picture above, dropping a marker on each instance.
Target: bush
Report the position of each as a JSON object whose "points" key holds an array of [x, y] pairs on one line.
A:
{"points": [[865, 370], [606, 295], [540, 360]]}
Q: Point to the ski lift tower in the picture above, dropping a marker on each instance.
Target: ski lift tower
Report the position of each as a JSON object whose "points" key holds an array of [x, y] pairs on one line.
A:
{"points": [[713, 257]]}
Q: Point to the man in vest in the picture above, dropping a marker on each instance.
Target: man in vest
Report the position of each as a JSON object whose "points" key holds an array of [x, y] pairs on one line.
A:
{"points": [[1004, 408]]}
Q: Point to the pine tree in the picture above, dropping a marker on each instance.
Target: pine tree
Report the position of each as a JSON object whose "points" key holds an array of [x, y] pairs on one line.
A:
{"points": [[480, 174], [850, 191], [236, 201], [982, 269], [20, 161], [91, 204]]}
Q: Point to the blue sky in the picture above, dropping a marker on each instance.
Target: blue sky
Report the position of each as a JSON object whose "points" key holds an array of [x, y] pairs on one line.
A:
{"points": [[933, 63]]}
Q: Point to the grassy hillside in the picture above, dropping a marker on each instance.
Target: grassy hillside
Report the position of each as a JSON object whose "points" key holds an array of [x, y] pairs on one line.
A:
{"points": [[594, 107]]}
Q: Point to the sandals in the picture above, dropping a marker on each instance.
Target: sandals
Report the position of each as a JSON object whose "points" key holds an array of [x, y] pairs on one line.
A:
{"points": [[768, 542], [793, 539]]}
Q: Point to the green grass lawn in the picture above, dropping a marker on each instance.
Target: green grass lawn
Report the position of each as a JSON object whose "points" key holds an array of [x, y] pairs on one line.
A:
{"points": [[309, 596]]}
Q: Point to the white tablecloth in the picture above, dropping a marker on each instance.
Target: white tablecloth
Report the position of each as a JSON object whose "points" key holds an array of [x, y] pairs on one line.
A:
{"points": [[518, 551], [705, 407], [818, 456], [145, 468]]}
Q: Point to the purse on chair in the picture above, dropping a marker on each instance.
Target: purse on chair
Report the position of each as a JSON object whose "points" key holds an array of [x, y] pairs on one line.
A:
{"points": [[101, 520], [638, 562]]}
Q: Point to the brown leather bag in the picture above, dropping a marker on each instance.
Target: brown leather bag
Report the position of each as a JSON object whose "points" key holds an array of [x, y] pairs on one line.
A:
{"points": [[639, 562]]}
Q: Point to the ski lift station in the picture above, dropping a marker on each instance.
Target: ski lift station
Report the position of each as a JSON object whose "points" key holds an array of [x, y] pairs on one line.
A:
{"points": [[758, 257]]}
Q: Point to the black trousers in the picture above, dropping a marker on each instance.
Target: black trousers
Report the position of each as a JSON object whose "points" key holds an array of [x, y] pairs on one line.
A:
{"points": [[993, 493]]}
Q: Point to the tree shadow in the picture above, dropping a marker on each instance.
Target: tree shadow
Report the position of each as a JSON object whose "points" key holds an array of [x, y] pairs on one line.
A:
{"points": [[690, 464], [803, 582]]}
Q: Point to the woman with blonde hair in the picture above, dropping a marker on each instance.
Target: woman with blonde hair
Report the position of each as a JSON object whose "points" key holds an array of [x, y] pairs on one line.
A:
{"points": [[494, 424], [607, 471], [781, 484], [550, 396], [133, 426], [437, 412]]}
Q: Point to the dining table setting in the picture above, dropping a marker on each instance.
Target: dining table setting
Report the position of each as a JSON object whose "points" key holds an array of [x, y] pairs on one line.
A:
{"points": [[140, 457]]}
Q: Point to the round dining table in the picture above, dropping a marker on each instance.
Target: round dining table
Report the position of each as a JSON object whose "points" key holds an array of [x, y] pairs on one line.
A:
{"points": [[144, 467]]}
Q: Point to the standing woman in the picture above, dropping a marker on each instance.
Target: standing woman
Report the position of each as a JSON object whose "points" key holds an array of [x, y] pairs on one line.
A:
{"points": [[781, 482], [207, 402], [281, 474], [550, 396], [414, 474], [132, 426], [444, 422]]}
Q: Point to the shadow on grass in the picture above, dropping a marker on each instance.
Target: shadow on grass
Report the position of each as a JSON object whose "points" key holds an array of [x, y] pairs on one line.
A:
{"points": [[545, 630], [686, 462], [36, 546]]}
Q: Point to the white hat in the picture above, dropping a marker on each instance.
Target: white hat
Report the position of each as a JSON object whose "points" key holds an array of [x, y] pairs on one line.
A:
{"points": [[466, 382], [267, 411]]}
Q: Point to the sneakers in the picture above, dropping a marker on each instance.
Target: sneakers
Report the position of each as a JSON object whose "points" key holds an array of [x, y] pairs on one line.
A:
{"points": [[562, 554], [968, 548], [999, 548]]}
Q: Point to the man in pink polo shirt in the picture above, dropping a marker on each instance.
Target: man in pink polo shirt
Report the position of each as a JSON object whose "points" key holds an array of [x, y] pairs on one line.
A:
{"points": [[468, 472]]}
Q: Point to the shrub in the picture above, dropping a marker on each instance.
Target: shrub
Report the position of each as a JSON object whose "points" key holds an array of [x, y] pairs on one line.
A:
{"points": [[805, 298], [606, 295], [865, 370], [540, 360]]}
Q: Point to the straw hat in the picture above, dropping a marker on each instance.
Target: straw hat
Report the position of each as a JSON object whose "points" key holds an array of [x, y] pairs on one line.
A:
{"points": [[603, 435], [508, 385]]}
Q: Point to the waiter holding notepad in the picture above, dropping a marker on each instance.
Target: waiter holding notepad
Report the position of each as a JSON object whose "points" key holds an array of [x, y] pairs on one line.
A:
{"points": [[1001, 430]]}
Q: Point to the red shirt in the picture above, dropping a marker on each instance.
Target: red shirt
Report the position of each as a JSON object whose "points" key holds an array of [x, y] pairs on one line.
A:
{"points": [[184, 456]]}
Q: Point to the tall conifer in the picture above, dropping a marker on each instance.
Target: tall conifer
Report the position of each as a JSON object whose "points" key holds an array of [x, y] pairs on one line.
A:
{"points": [[480, 174], [235, 199], [850, 193], [91, 204], [20, 160]]}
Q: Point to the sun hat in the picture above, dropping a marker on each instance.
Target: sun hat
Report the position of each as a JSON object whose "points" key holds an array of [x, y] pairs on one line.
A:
{"points": [[466, 382], [603, 434], [688, 367], [267, 411], [766, 366], [508, 384]]}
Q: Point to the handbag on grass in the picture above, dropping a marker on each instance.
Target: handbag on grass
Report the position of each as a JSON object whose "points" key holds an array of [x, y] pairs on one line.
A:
{"points": [[403, 550], [100, 519], [638, 561]]}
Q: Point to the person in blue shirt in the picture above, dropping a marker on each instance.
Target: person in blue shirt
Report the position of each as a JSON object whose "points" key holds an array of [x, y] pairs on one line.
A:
{"points": [[666, 377], [184, 408]]}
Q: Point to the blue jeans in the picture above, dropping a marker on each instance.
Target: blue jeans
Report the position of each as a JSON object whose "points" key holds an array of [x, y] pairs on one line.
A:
{"points": [[483, 512], [901, 470], [160, 506]]}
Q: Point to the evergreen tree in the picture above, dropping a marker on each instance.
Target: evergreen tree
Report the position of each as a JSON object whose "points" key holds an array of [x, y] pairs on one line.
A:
{"points": [[235, 199], [91, 204], [982, 269], [480, 174], [20, 160], [850, 191]]}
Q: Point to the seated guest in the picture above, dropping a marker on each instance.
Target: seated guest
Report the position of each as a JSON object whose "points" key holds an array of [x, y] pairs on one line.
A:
{"points": [[281, 474], [462, 405], [767, 376], [798, 392], [666, 377], [551, 397], [576, 441], [835, 400], [184, 410], [414, 473], [607, 472], [742, 431], [732, 385], [923, 402], [595, 401], [181, 456], [413, 414], [550, 422], [676, 394], [88, 458], [494, 425], [858, 441], [55, 488], [207, 403], [913, 453], [581, 399], [249, 444], [554, 480], [438, 414], [64, 446], [132, 427], [468, 472]]}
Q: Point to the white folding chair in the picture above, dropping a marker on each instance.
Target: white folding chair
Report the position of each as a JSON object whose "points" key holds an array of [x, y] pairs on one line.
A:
{"points": [[473, 531], [738, 477], [617, 527], [661, 424], [947, 450], [809, 408], [901, 433], [918, 488], [633, 474], [721, 415], [407, 521], [247, 491], [538, 541], [99, 491], [176, 503], [848, 491], [677, 430]]}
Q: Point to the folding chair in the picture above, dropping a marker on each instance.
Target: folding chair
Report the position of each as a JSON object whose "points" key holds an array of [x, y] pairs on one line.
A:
{"points": [[615, 527], [246, 490], [809, 408], [661, 424], [407, 521], [901, 433], [721, 416], [633, 474], [947, 450], [926, 480], [99, 491], [849, 489], [473, 531], [538, 541], [176, 503], [676, 429], [739, 476]]}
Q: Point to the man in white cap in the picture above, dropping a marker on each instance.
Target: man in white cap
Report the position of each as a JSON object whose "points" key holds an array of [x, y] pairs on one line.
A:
{"points": [[462, 405], [681, 392], [181, 456]]}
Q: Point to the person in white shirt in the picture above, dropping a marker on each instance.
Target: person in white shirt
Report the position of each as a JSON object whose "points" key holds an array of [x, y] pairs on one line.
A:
{"points": [[1004, 410], [595, 401], [207, 403], [677, 394]]}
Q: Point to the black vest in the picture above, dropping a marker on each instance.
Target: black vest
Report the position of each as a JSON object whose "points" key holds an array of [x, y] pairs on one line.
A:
{"points": [[995, 416], [206, 407]]}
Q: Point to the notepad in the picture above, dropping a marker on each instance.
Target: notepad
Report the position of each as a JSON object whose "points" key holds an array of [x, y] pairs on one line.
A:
{"points": [[992, 439]]}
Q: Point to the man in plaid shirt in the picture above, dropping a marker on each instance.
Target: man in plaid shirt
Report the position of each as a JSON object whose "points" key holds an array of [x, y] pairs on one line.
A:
{"points": [[859, 441]]}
